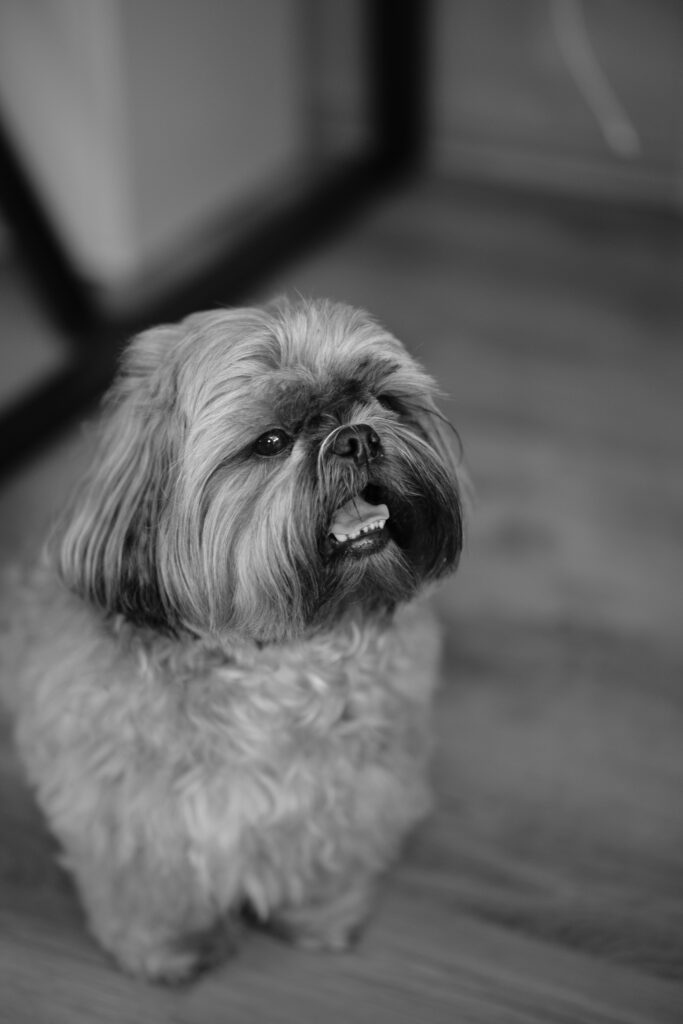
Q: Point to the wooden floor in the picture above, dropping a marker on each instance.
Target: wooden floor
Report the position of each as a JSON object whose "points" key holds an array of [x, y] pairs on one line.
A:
{"points": [[549, 885]]}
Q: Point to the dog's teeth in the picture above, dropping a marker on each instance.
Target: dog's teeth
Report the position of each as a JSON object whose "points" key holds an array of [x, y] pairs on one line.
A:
{"points": [[375, 527], [372, 527]]}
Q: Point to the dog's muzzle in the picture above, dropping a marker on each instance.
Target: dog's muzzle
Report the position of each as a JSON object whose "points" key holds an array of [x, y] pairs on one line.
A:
{"points": [[358, 525]]}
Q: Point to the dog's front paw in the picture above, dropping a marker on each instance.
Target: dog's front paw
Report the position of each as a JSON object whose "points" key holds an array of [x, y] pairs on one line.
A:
{"points": [[331, 925], [175, 961], [331, 938]]}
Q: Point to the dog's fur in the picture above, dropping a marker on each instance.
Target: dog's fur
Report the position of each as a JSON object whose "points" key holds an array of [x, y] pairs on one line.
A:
{"points": [[219, 707]]}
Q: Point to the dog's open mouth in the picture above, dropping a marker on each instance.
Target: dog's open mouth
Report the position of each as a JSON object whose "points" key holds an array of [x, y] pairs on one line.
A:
{"points": [[360, 527]]}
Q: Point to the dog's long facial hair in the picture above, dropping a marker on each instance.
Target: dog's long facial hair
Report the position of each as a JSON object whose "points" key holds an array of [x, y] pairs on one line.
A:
{"points": [[261, 473]]}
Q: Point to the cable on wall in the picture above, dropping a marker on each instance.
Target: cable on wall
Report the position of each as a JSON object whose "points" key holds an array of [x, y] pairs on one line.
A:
{"points": [[573, 39]]}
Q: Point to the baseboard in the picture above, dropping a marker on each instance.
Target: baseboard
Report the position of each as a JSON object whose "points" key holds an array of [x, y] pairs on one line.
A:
{"points": [[576, 177]]}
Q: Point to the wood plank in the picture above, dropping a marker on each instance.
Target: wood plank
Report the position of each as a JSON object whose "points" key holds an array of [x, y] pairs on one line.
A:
{"points": [[420, 961]]}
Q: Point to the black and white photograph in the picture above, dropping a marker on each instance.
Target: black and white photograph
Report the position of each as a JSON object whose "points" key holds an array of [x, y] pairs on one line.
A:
{"points": [[341, 511]]}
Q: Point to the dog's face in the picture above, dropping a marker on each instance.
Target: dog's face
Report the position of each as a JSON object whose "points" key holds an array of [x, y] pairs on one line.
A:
{"points": [[262, 471]]}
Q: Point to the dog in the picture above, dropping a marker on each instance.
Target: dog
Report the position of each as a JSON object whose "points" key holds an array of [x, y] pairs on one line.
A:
{"points": [[227, 661]]}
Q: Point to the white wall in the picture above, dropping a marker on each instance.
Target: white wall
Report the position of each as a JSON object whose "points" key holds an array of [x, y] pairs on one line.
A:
{"points": [[506, 104], [141, 121], [63, 101], [144, 123]]}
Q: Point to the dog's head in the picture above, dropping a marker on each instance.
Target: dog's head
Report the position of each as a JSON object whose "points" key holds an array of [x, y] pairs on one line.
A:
{"points": [[262, 471]]}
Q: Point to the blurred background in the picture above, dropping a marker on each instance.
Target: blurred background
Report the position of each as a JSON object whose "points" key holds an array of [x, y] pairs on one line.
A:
{"points": [[500, 182]]}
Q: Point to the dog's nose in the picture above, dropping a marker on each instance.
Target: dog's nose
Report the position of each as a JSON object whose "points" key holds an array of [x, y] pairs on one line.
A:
{"points": [[358, 442]]}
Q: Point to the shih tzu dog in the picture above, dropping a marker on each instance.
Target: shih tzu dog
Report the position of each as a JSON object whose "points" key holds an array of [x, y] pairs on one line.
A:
{"points": [[224, 689]]}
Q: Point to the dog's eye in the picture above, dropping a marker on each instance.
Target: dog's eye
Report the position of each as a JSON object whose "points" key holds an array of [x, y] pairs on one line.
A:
{"points": [[390, 403], [272, 442]]}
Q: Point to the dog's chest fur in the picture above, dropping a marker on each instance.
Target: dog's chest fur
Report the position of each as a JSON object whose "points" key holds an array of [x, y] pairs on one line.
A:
{"points": [[266, 768], [313, 758]]}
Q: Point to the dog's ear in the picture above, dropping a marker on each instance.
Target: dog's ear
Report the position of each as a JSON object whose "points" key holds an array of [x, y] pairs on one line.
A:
{"points": [[107, 544], [442, 436]]}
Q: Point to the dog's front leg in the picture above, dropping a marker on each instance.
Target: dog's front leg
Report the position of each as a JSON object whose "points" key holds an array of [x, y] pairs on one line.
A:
{"points": [[153, 918]]}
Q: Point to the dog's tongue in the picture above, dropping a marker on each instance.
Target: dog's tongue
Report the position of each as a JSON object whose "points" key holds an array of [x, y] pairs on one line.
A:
{"points": [[357, 515]]}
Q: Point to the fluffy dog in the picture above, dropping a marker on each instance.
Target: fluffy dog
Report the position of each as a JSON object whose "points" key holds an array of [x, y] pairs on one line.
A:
{"points": [[223, 699]]}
